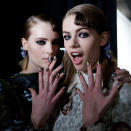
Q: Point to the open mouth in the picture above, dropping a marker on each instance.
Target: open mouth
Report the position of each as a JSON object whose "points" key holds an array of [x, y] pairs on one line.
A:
{"points": [[77, 58]]}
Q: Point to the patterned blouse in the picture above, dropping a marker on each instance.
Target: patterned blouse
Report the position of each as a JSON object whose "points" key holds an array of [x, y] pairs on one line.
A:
{"points": [[15, 107], [119, 111], [16, 102]]}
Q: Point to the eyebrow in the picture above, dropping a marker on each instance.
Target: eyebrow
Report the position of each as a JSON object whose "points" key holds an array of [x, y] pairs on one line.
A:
{"points": [[81, 28], [41, 38]]}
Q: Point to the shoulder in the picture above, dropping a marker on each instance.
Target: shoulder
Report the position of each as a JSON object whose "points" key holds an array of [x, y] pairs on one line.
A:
{"points": [[122, 108]]}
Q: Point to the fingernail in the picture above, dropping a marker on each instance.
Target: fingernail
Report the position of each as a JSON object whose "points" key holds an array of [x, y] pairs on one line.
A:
{"points": [[98, 62], [40, 69], [119, 85], [49, 59], [64, 72], [119, 79], [62, 64], [114, 74], [63, 88], [88, 63], [54, 58]]}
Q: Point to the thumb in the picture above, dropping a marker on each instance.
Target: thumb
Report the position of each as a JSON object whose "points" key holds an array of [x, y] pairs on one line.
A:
{"points": [[114, 90], [33, 92]]}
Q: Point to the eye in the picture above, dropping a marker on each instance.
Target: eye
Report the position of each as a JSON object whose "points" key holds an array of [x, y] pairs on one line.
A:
{"points": [[83, 35], [40, 42], [67, 37]]}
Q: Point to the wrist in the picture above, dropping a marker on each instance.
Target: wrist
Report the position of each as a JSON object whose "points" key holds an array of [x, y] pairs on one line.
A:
{"points": [[38, 124]]}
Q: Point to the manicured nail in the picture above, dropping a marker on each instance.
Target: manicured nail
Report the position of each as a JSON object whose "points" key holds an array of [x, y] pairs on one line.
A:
{"points": [[63, 88], [114, 74], [54, 58], [49, 59], [119, 79], [64, 72], [119, 85], [62, 64], [40, 69], [88, 63], [98, 62]]}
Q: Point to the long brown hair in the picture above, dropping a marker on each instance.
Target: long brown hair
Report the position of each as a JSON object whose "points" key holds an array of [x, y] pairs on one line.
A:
{"points": [[92, 17]]}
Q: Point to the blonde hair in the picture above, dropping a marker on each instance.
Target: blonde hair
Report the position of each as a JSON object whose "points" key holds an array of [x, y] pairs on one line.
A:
{"points": [[30, 22]]}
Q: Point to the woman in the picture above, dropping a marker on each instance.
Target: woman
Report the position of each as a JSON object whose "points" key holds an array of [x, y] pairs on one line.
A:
{"points": [[41, 42], [91, 90]]}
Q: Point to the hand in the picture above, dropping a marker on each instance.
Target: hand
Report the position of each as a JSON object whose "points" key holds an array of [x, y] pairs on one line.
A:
{"points": [[44, 102], [95, 103], [122, 75]]}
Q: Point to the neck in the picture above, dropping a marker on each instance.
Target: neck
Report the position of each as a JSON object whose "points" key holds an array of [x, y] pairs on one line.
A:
{"points": [[31, 68]]}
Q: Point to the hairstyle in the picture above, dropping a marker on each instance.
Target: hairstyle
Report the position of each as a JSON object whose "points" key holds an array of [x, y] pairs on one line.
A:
{"points": [[30, 22], [92, 17]]}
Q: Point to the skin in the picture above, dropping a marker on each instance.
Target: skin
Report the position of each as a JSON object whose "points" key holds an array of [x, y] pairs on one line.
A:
{"points": [[47, 96], [79, 39], [41, 45], [48, 82], [87, 42]]}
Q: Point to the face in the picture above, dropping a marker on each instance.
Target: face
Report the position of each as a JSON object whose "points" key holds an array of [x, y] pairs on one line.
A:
{"points": [[81, 43], [41, 44]]}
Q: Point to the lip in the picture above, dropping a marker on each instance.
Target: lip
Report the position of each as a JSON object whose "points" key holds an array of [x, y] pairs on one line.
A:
{"points": [[77, 60], [45, 59]]}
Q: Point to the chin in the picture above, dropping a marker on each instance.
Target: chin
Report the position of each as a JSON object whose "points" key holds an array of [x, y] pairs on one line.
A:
{"points": [[80, 68]]}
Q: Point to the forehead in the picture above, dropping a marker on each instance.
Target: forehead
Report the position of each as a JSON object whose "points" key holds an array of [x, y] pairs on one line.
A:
{"points": [[70, 26], [43, 29], [68, 22]]}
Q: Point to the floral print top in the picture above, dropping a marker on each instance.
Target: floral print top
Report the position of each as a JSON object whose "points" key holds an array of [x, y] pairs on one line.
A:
{"points": [[119, 111], [16, 102]]}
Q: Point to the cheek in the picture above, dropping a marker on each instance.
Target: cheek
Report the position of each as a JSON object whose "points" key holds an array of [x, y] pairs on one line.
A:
{"points": [[66, 46], [92, 51], [33, 51]]}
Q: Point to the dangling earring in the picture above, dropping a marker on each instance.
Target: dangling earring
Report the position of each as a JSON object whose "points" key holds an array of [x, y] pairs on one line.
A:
{"points": [[23, 52], [108, 51]]}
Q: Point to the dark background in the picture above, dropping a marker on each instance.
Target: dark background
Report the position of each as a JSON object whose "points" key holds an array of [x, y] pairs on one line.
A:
{"points": [[14, 14]]}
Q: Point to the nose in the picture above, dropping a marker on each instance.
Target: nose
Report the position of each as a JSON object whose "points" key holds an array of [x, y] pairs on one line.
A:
{"points": [[49, 49], [74, 43]]}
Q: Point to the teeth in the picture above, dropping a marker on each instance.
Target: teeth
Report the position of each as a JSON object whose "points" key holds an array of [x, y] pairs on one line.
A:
{"points": [[75, 53]]}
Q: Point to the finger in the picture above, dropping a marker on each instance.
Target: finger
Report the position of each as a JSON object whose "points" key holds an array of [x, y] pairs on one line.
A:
{"points": [[55, 84], [46, 76], [126, 79], [52, 64], [83, 82], [121, 71], [114, 91], [54, 72], [58, 95], [123, 78], [90, 77], [80, 94], [98, 77], [41, 81], [33, 93]]}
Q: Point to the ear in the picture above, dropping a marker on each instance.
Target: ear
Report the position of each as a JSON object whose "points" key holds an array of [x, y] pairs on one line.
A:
{"points": [[104, 38], [24, 44]]}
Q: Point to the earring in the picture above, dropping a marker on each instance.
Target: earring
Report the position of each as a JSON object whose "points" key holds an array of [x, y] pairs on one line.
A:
{"points": [[108, 51], [23, 52]]}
